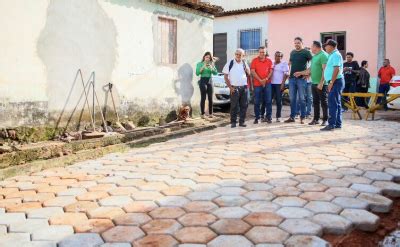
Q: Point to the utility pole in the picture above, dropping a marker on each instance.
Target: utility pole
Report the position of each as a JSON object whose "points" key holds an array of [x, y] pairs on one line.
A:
{"points": [[381, 36]]}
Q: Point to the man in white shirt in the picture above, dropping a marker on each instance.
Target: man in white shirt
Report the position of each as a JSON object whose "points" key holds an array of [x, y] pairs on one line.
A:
{"points": [[236, 73], [279, 77]]}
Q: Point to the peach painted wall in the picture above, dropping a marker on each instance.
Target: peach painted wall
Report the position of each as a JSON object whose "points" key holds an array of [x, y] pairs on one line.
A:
{"points": [[359, 19]]}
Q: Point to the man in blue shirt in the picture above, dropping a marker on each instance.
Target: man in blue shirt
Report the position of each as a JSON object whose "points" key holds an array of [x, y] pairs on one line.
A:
{"points": [[333, 74]]}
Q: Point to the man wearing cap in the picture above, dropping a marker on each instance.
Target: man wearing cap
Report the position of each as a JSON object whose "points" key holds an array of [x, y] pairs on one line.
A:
{"points": [[333, 74]]}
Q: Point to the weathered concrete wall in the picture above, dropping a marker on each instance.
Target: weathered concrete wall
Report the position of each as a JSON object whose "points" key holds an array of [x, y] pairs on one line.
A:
{"points": [[44, 42]]}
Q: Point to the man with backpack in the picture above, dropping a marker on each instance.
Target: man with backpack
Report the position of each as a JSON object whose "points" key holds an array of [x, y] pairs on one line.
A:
{"points": [[236, 73]]}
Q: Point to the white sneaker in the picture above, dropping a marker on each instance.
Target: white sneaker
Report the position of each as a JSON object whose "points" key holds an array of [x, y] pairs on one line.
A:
{"points": [[203, 116]]}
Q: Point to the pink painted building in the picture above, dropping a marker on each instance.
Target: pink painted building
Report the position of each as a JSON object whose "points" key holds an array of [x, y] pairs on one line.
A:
{"points": [[353, 23]]}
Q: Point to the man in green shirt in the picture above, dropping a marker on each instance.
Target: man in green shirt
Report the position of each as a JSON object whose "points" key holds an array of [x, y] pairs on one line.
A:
{"points": [[319, 86], [299, 58]]}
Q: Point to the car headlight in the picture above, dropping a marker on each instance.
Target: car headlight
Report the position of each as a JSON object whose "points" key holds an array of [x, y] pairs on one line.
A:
{"points": [[219, 84]]}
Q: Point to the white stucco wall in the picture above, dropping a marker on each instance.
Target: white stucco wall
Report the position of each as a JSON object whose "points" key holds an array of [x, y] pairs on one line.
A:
{"points": [[44, 42], [232, 24]]}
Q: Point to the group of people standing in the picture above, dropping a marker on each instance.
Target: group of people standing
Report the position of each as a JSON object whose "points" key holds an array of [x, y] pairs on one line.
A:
{"points": [[325, 78]]}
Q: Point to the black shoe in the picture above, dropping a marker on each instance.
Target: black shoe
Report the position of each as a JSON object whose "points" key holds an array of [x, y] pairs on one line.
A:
{"points": [[233, 125], [338, 128], [302, 120], [323, 123], [290, 120], [313, 122], [242, 125], [328, 128], [269, 121], [255, 121], [264, 120]]}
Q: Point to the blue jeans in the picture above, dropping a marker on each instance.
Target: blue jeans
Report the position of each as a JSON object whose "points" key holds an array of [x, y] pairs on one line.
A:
{"points": [[258, 93], [277, 94], [383, 88], [297, 85], [308, 97], [335, 104]]}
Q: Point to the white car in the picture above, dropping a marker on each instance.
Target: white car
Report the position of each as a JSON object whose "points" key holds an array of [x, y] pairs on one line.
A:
{"points": [[222, 94], [395, 89]]}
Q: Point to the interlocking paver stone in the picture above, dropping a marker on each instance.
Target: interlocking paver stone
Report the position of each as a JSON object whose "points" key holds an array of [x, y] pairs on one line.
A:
{"points": [[14, 239], [366, 188], [230, 226], [122, 234], [224, 181], [331, 223], [378, 176], [306, 241], [316, 196], [94, 225], [197, 219], [377, 203], [231, 212], [290, 201], [45, 213], [230, 201], [11, 218], [294, 212], [388, 188], [162, 226], [133, 219], [323, 207], [172, 201], [196, 235], [230, 241], [52, 233], [301, 227], [347, 202], [29, 226], [202, 195], [156, 240], [140, 207], [263, 219], [115, 201], [262, 234], [200, 206], [361, 219], [81, 240], [261, 206], [167, 213]]}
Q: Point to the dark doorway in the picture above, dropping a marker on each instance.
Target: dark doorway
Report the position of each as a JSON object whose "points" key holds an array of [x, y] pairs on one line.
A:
{"points": [[220, 49]]}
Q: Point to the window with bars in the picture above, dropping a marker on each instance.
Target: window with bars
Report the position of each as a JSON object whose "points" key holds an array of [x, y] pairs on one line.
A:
{"points": [[167, 48], [340, 38], [250, 39]]}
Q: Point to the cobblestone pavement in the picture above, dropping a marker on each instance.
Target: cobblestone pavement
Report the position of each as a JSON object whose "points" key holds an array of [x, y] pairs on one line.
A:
{"points": [[257, 186]]}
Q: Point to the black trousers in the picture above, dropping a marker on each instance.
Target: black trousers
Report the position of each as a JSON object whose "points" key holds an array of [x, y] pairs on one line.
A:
{"points": [[320, 100], [239, 104], [206, 89]]}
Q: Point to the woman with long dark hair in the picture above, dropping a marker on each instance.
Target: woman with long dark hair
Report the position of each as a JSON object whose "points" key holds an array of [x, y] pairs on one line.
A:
{"points": [[205, 69]]}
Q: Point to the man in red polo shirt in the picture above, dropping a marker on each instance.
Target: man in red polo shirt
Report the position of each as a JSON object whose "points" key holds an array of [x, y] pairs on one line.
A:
{"points": [[261, 69], [385, 74]]}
